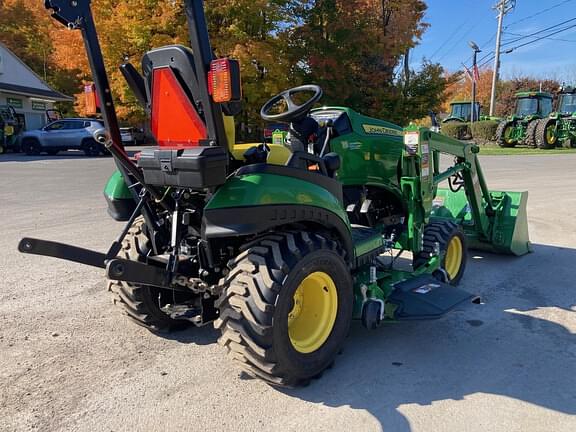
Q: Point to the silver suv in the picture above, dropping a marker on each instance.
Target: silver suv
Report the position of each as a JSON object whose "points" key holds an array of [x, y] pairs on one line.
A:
{"points": [[65, 134]]}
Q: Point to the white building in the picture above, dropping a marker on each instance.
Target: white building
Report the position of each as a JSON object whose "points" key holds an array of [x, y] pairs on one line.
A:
{"points": [[25, 91]]}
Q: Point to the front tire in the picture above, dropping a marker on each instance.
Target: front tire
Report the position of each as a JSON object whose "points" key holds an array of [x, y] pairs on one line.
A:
{"points": [[142, 303], [504, 134], [31, 146], [452, 244], [546, 137], [530, 138], [91, 147], [286, 307]]}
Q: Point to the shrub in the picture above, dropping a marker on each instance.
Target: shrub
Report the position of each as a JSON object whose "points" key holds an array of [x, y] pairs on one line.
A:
{"points": [[484, 130], [456, 130]]}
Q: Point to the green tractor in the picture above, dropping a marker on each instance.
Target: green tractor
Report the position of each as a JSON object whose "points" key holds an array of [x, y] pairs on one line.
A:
{"points": [[520, 127], [9, 129], [560, 126], [281, 248], [461, 112]]}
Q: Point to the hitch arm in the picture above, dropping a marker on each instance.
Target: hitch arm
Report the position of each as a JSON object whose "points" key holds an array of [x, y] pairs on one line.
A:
{"points": [[62, 251]]}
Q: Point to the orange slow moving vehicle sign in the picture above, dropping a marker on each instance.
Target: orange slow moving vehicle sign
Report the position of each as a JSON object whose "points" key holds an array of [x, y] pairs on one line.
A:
{"points": [[175, 122]]}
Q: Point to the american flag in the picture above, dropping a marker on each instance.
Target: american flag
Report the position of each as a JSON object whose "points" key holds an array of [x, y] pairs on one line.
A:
{"points": [[476, 73]]}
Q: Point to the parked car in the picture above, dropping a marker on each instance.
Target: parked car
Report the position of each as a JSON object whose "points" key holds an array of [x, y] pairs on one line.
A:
{"points": [[132, 136], [65, 134]]}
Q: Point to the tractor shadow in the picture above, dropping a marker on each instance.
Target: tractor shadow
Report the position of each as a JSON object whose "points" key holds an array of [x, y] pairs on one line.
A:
{"points": [[508, 346], [205, 335]]}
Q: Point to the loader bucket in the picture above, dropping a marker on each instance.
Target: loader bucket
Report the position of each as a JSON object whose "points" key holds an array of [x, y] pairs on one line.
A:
{"points": [[508, 228]]}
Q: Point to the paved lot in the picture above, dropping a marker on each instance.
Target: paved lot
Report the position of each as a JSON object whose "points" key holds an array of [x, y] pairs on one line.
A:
{"points": [[69, 361]]}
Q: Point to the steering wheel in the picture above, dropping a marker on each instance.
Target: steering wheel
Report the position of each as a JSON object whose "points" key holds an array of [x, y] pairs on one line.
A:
{"points": [[294, 112]]}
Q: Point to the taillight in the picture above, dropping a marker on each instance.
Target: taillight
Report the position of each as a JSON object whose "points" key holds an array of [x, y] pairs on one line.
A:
{"points": [[224, 80]]}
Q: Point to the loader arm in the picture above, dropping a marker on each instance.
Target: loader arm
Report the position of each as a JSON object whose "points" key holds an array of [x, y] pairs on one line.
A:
{"points": [[492, 220]]}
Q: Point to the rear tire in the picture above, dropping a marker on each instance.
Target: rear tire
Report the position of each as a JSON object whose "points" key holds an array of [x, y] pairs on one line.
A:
{"points": [[141, 302], [453, 248], [91, 147], [31, 146], [530, 138], [503, 134], [286, 307], [546, 134]]}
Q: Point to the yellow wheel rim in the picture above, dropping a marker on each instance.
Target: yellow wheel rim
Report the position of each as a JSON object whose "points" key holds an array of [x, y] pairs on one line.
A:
{"points": [[508, 135], [453, 257], [312, 318], [550, 137]]}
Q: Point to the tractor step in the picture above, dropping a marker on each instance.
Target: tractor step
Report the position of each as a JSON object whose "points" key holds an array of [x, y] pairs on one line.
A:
{"points": [[425, 297], [368, 244]]}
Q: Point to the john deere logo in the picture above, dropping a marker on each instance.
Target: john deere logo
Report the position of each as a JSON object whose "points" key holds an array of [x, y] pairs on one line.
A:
{"points": [[380, 130]]}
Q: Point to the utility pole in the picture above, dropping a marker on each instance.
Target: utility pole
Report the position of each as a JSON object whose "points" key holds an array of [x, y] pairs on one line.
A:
{"points": [[503, 7]]}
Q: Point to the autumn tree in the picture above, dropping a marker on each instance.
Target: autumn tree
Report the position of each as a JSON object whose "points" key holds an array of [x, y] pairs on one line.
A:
{"points": [[352, 49], [357, 50]]}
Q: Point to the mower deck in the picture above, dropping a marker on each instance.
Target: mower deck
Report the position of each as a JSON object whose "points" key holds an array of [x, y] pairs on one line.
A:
{"points": [[425, 297]]}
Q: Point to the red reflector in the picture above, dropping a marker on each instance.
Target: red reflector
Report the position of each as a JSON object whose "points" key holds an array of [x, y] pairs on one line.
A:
{"points": [[175, 122], [224, 80]]}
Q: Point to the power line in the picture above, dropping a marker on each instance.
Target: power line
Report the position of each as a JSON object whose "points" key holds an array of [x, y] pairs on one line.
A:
{"points": [[482, 46], [542, 37], [522, 37], [538, 13], [460, 39], [546, 37], [448, 39], [527, 43], [552, 27]]}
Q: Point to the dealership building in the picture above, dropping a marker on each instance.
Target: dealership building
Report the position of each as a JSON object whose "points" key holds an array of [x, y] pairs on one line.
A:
{"points": [[26, 92]]}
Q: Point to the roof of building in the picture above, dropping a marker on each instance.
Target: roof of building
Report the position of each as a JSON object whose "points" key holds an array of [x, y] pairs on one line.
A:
{"points": [[41, 93], [35, 92]]}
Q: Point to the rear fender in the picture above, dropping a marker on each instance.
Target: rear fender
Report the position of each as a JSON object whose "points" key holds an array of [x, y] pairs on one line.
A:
{"points": [[262, 202], [121, 204]]}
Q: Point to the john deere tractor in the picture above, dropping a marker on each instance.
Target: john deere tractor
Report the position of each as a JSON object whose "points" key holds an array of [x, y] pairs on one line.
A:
{"points": [[560, 126], [280, 247], [520, 127], [461, 112]]}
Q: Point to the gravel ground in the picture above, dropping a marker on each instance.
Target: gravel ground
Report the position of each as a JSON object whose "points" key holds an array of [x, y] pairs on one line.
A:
{"points": [[70, 362]]}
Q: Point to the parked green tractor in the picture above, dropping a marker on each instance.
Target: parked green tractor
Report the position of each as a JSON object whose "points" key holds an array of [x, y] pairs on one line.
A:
{"points": [[520, 127], [559, 128], [281, 253], [461, 112]]}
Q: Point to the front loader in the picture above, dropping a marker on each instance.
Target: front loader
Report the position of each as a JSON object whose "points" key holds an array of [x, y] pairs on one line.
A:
{"points": [[281, 248]]}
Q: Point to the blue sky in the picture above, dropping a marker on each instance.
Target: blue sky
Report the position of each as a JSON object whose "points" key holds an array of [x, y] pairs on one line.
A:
{"points": [[455, 22]]}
